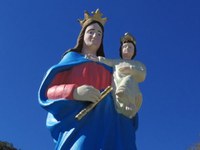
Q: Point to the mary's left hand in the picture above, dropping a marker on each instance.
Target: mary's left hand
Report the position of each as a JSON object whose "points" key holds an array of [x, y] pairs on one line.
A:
{"points": [[125, 70]]}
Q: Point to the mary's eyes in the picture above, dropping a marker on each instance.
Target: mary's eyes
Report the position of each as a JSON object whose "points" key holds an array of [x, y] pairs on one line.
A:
{"points": [[90, 32]]}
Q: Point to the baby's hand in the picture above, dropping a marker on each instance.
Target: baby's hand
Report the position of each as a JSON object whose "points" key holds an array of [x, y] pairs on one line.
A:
{"points": [[92, 57]]}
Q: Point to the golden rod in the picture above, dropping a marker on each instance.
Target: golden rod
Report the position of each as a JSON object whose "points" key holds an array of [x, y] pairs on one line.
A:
{"points": [[83, 112]]}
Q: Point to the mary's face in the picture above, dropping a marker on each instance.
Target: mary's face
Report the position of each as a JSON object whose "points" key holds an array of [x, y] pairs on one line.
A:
{"points": [[128, 50], [93, 37]]}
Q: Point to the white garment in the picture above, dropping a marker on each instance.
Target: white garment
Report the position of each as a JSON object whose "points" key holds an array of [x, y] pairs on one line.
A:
{"points": [[126, 76]]}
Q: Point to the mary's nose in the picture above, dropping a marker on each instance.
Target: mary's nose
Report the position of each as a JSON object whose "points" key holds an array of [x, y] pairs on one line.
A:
{"points": [[94, 35]]}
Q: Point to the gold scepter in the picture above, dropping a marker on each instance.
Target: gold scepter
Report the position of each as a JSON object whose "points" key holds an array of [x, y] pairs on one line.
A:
{"points": [[83, 112]]}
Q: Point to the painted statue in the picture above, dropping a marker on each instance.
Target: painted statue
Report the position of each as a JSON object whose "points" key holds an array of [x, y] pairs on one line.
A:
{"points": [[76, 82]]}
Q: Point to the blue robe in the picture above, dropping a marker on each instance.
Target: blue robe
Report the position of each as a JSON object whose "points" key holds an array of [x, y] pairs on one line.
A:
{"points": [[101, 129]]}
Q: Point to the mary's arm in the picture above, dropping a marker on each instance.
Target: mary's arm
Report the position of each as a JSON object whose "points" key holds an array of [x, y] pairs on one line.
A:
{"points": [[63, 87], [59, 89], [138, 71]]}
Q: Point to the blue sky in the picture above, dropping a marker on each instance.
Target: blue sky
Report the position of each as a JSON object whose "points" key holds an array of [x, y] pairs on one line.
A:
{"points": [[34, 35]]}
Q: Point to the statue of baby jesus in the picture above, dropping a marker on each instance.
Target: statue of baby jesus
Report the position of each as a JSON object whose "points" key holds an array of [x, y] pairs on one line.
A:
{"points": [[126, 76]]}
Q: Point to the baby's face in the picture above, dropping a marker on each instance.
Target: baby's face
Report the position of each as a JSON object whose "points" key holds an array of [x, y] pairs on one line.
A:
{"points": [[128, 50]]}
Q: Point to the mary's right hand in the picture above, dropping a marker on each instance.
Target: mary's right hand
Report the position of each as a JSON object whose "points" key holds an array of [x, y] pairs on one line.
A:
{"points": [[86, 93]]}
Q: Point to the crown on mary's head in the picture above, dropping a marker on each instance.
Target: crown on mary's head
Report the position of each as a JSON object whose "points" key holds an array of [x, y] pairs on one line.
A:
{"points": [[128, 38], [96, 16]]}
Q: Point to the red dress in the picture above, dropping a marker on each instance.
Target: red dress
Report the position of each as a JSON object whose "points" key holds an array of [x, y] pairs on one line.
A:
{"points": [[64, 83]]}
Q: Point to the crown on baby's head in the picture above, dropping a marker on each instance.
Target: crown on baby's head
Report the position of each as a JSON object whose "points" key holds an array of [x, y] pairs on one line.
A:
{"points": [[128, 38], [96, 16]]}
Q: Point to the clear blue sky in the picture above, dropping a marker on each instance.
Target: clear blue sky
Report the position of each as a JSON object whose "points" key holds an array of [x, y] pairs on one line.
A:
{"points": [[35, 33]]}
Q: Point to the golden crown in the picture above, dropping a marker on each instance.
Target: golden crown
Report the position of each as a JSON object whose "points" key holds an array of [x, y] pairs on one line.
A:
{"points": [[96, 16], [128, 38]]}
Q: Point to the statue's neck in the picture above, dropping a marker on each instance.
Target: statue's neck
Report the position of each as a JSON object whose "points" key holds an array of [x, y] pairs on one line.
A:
{"points": [[89, 51]]}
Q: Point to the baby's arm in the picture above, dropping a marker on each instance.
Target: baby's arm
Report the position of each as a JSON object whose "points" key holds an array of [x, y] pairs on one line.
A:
{"points": [[109, 62]]}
